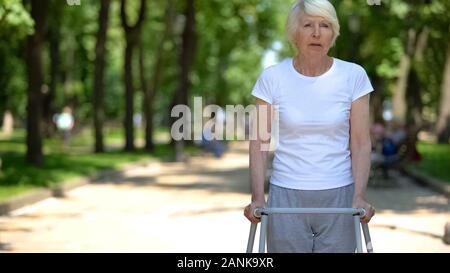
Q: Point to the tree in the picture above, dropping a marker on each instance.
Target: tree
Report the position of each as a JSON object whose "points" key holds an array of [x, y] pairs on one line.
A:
{"points": [[151, 86], [442, 128], [188, 47], [414, 47], [132, 37], [99, 64], [35, 43], [54, 38], [443, 122], [15, 25]]}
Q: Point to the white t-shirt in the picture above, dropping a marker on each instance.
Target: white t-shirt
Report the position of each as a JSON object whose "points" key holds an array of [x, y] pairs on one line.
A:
{"points": [[313, 149]]}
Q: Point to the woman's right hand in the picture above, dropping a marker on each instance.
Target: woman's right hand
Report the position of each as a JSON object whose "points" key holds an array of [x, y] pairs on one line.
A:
{"points": [[248, 211]]}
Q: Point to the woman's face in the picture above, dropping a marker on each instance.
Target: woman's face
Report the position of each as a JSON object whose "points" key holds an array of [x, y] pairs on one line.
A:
{"points": [[314, 35]]}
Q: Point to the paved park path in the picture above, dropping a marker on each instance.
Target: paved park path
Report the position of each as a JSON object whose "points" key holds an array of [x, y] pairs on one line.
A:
{"points": [[197, 207]]}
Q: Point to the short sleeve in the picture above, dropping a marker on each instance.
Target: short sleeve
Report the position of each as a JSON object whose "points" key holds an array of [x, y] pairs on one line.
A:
{"points": [[362, 85], [263, 88]]}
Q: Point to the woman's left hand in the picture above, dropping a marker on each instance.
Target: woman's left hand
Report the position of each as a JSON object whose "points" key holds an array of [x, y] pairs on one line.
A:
{"points": [[370, 210]]}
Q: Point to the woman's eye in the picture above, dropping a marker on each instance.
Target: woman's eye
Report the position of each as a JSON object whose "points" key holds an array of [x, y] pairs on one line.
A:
{"points": [[307, 25], [325, 25]]}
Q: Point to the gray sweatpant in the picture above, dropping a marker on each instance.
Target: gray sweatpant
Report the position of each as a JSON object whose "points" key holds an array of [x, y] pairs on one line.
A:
{"points": [[308, 233]]}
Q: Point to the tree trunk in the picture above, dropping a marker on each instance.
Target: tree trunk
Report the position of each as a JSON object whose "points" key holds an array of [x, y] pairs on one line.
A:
{"points": [[414, 100], [414, 105], [132, 35], [376, 100], [443, 122], [407, 101], [99, 113], [54, 37], [189, 40], [35, 80], [147, 103], [398, 99], [222, 66], [413, 56], [48, 108], [148, 113], [129, 98], [414, 120], [150, 88]]}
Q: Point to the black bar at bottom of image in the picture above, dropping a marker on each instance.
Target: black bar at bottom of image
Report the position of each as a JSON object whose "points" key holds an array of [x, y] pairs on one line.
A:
{"points": [[215, 262]]}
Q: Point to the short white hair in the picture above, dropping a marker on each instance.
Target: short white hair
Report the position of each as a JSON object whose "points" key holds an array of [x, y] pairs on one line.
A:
{"points": [[322, 8]]}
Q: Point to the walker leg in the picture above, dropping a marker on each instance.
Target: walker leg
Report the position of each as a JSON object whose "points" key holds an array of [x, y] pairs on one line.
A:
{"points": [[356, 220], [365, 228], [251, 238], [262, 236]]}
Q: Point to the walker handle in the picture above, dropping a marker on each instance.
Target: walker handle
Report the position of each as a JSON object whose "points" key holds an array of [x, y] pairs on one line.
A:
{"points": [[257, 212]]}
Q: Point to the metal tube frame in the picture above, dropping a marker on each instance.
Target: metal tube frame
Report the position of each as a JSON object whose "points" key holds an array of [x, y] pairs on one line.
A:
{"points": [[264, 213]]}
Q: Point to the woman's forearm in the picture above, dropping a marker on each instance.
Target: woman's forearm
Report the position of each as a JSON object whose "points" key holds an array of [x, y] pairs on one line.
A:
{"points": [[258, 167], [360, 167]]}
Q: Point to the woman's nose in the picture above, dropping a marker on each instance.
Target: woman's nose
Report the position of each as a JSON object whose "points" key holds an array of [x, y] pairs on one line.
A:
{"points": [[316, 32]]}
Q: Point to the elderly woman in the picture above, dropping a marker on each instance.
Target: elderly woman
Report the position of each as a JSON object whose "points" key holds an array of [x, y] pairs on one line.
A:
{"points": [[323, 153]]}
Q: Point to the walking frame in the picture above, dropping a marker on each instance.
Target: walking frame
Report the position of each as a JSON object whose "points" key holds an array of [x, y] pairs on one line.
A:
{"points": [[263, 213]]}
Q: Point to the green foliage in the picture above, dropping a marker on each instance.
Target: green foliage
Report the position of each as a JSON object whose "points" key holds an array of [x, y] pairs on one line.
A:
{"points": [[232, 41], [380, 40], [15, 21], [435, 160], [15, 25]]}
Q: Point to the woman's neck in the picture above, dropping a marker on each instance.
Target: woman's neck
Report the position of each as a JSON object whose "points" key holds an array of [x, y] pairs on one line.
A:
{"points": [[312, 66]]}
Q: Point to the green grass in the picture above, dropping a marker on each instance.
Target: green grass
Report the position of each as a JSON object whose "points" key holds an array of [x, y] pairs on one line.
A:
{"points": [[62, 164], [7, 192], [435, 160]]}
